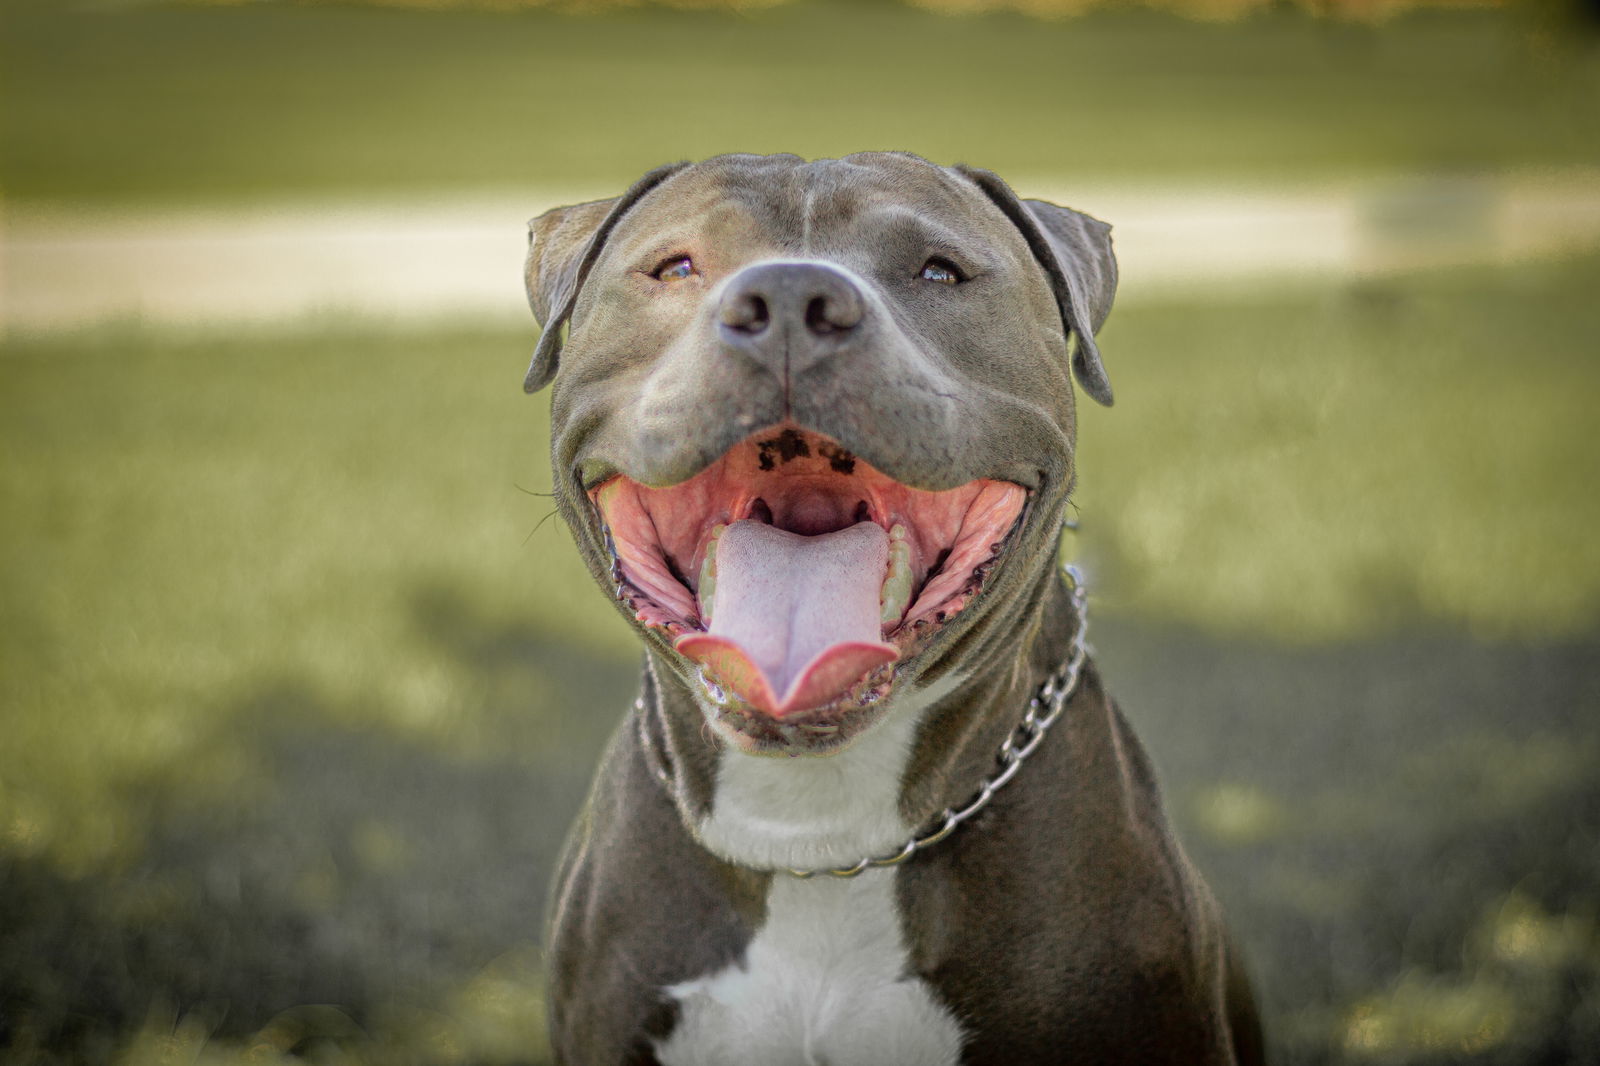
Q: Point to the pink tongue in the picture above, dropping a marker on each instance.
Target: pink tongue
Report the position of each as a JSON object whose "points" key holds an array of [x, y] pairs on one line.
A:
{"points": [[795, 620]]}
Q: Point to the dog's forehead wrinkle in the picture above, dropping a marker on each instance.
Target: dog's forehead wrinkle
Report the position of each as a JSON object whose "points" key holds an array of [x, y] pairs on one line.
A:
{"points": [[807, 202], [898, 221], [833, 208], [685, 223]]}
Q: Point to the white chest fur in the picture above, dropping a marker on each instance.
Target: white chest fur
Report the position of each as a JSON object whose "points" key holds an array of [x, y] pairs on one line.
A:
{"points": [[826, 979], [813, 813], [823, 982]]}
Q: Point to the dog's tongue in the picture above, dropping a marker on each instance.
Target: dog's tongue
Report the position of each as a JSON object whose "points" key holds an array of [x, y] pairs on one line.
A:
{"points": [[796, 620]]}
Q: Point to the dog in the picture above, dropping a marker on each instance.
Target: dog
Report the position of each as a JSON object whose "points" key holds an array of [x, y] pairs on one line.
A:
{"points": [[813, 430]]}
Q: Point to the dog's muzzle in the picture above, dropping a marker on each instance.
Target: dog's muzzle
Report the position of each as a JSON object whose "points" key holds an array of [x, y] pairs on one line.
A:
{"points": [[796, 574]]}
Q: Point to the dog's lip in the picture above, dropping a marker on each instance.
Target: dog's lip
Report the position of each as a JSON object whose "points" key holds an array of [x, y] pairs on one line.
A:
{"points": [[592, 472], [949, 540], [818, 731]]}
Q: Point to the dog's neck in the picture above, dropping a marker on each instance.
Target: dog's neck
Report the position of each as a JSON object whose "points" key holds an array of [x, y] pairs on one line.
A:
{"points": [[933, 748]]}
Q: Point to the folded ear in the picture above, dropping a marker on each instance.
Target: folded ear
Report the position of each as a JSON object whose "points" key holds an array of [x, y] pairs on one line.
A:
{"points": [[1075, 251], [563, 244]]}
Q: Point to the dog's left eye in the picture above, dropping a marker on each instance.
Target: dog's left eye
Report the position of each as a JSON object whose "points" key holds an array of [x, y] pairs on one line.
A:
{"points": [[675, 269], [941, 270]]}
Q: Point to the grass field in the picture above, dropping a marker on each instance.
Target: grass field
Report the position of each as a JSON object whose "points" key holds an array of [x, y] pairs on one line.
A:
{"points": [[301, 690], [161, 103], [300, 684]]}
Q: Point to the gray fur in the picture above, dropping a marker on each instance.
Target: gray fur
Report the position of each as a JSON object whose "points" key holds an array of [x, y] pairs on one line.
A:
{"points": [[562, 245], [1075, 250], [1064, 924]]}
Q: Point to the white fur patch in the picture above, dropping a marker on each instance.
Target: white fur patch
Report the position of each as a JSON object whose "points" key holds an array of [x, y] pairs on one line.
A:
{"points": [[826, 979], [823, 982], [772, 812]]}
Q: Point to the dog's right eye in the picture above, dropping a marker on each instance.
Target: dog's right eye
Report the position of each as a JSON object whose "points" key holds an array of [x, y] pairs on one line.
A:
{"points": [[676, 268], [941, 270]]}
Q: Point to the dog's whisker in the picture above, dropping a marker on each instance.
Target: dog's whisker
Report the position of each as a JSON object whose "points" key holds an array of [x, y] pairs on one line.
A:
{"points": [[538, 526], [533, 492]]}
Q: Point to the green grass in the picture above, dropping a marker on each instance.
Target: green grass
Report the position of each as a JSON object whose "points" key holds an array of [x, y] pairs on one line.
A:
{"points": [[1420, 449], [299, 694], [174, 104], [195, 514]]}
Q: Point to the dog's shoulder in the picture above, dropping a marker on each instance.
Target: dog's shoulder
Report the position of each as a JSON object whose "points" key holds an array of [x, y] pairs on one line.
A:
{"points": [[1071, 911], [627, 853]]}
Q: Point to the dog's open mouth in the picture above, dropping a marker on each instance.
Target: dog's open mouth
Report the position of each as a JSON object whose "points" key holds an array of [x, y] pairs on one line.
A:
{"points": [[795, 573]]}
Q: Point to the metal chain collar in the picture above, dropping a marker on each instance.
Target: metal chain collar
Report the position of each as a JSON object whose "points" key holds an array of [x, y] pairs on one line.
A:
{"points": [[1044, 707]]}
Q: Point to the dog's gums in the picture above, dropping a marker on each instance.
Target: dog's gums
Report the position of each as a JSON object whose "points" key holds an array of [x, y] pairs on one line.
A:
{"points": [[796, 574]]}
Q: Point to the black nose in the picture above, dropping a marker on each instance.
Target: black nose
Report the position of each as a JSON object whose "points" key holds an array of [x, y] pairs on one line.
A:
{"points": [[798, 311]]}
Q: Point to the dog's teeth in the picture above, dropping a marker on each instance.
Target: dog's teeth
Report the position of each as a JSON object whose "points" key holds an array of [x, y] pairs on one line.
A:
{"points": [[896, 594], [819, 729], [708, 575], [713, 691]]}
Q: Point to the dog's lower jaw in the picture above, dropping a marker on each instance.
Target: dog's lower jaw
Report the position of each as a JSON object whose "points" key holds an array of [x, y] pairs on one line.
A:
{"points": [[821, 732]]}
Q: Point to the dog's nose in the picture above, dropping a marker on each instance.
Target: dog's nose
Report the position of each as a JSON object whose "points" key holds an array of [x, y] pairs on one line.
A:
{"points": [[777, 309]]}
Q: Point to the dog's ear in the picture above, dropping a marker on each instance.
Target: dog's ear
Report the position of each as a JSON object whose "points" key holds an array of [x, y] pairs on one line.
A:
{"points": [[1075, 251], [563, 244]]}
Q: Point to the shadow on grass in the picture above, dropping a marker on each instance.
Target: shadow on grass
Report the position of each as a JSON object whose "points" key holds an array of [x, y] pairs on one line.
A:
{"points": [[359, 869], [1406, 834]]}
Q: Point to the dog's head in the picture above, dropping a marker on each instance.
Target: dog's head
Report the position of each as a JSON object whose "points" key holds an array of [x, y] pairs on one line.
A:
{"points": [[813, 421]]}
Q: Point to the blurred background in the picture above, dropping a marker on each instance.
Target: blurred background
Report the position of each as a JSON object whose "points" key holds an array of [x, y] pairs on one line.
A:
{"points": [[300, 685]]}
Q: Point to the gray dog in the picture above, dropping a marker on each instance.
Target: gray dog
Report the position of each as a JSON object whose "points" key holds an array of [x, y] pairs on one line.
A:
{"points": [[814, 431]]}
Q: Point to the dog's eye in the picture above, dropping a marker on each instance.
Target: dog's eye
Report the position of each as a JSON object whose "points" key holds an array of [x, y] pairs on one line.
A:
{"points": [[941, 270], [675, 269]]}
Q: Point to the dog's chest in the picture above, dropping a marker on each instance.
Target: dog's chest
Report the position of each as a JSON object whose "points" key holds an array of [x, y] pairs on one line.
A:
{"points": [[824, 981]]}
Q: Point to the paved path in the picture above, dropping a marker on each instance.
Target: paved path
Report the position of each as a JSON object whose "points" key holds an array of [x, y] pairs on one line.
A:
{"points": [[462, 256]]}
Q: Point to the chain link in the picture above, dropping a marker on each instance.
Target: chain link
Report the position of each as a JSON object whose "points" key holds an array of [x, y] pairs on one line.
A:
{"points": [[1044, 708]]}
